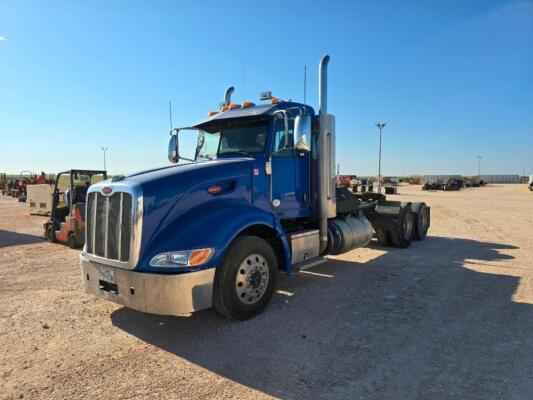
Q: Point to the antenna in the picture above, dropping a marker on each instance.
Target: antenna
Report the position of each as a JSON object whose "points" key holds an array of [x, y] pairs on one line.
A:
{"points": [[170, 113], [305, 85], [244, 74]]}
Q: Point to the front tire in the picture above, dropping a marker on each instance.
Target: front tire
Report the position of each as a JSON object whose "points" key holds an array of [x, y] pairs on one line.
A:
{"points": [[245, 282], [51, 234]]}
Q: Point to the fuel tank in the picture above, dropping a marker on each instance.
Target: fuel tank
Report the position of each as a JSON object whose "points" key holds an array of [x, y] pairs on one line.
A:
{"points": [[345, 234]]}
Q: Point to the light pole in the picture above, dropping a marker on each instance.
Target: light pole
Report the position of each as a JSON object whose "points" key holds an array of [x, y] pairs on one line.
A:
{"points": [[479, 158], [104, 149], [380, 127]]}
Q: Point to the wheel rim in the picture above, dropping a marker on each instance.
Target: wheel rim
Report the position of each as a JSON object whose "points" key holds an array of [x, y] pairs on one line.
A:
{"points": [[252, 279], [407, 226]]}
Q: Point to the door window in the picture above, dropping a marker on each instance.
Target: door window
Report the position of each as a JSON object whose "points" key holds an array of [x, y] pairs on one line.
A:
{"points": [[279, 138]]}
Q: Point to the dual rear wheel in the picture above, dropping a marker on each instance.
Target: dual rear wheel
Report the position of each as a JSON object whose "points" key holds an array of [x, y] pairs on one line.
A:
{"points": [[413, 225]]}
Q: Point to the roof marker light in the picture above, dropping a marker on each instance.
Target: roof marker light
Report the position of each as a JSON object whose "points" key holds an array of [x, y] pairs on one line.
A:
{"points": [[246, 104], [233, 106], [275, 100], [211, 113], [224, 108]]}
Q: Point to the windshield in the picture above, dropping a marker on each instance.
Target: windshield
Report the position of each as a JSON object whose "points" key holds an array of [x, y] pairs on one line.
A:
{"points": [[233, 137]]}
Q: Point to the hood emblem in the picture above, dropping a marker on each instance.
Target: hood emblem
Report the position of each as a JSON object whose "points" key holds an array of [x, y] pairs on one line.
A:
{"points": [[107, 190]]}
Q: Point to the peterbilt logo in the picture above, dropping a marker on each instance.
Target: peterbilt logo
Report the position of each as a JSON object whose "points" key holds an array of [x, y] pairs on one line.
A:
{"points": [[107, 190]]}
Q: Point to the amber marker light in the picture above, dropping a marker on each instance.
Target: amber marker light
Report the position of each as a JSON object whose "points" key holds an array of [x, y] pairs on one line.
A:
{"points": [[199, 256]]}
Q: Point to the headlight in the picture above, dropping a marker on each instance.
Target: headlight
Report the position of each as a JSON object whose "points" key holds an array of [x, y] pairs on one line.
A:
{"points": [[187, 258]]}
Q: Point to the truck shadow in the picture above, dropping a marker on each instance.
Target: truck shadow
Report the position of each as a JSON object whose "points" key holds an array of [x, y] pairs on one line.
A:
{"points": [[10, 238], [403, 325]]}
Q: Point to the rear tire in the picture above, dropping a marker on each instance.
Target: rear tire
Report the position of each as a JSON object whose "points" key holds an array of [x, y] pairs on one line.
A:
{"points": [[246, 279], [421, 219], [383, 237], [403, 235]]}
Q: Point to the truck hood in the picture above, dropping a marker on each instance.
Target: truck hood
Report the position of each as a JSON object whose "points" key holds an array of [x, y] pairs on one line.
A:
{"points": [[171, 192]]}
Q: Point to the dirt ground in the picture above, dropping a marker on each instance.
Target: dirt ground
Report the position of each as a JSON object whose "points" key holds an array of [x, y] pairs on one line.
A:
{"points": [[448, 318]]}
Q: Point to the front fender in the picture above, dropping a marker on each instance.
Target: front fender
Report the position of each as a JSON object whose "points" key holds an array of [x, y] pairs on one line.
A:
{"points": [[214, 224]]}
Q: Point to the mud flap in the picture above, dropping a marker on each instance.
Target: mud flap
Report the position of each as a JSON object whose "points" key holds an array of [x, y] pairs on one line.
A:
{"points": [[387, 215]]}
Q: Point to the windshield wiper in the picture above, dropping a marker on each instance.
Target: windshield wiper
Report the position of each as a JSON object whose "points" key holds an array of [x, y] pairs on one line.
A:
{"points": [[244, 153]]}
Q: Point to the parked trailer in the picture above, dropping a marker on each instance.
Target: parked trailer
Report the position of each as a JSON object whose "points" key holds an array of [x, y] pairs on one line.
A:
{"points": [[259, 196], [439, 179], [500, 179]]}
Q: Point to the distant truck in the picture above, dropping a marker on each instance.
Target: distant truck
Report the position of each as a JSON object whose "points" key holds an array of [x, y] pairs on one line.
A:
{"points": [[259, 196], [530, 183]]}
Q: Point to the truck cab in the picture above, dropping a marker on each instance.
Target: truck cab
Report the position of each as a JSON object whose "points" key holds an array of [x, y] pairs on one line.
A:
{"points": [[258, 196]]}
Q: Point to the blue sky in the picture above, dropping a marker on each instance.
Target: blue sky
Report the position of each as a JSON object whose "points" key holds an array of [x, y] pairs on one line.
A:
{"points": [[451, 78]]}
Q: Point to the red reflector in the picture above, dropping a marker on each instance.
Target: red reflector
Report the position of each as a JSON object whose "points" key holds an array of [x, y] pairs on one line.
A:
{"points": [[107, 190], [214, 189]]}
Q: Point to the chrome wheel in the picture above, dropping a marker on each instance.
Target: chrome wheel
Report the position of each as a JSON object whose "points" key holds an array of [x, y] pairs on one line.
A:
{"points": [[252, 279]]}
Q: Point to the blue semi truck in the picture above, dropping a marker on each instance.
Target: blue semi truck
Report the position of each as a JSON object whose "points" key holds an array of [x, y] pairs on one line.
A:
{"points": [[259, 197]]}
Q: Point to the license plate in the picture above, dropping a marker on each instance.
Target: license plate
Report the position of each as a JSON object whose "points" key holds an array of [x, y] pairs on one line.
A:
{"points": [[107, 275]]}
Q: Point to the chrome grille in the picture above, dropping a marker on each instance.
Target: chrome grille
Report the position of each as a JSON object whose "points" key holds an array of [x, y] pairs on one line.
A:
{"points": [[109, 225]]}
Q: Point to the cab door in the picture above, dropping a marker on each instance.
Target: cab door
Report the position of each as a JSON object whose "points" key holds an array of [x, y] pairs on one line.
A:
{"points": [[290, 174]]}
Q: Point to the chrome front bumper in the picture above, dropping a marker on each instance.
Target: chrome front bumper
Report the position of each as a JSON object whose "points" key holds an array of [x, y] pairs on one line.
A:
{"points": [[152, 293]]}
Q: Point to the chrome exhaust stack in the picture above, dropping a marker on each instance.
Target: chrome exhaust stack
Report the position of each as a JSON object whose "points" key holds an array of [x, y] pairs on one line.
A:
{"points": [[227, 95], [326, 156], [323, 85]]}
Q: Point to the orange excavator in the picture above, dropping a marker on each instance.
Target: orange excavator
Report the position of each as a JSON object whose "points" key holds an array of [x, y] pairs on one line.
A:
{"points": [[67, 221]]}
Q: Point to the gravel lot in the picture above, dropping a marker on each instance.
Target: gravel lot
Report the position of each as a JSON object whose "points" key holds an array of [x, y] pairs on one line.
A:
{"points": [[448, 318]]}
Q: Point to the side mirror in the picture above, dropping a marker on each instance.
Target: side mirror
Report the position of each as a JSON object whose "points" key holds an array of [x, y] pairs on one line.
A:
{"points": [[173, 149], [302, 132]]}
